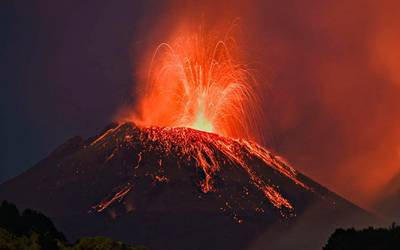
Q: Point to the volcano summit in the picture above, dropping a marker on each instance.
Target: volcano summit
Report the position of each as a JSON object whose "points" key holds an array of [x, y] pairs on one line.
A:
{"points": [[179, 188]]}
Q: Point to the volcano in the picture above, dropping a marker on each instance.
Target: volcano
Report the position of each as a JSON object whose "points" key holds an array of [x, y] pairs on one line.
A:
{"points": [[180, 188]]}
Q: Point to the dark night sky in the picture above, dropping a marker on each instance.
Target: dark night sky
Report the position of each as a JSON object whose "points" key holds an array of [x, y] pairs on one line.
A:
{"points": [[329, 69], [66, 68]]}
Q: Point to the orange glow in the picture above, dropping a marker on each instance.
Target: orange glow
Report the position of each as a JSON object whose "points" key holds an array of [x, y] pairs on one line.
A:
{"points": [[196, 81]]}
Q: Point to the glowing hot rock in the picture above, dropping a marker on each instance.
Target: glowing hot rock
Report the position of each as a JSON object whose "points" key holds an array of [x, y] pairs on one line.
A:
{"points": [[195, 81]]}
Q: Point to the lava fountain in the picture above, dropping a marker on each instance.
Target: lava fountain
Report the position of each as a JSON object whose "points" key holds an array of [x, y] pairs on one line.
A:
{"points": [[199, 108], [197, 81]]}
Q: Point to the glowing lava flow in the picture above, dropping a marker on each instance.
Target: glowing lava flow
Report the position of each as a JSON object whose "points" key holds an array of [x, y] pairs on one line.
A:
{"points": [[218, 157], [195, 81]]}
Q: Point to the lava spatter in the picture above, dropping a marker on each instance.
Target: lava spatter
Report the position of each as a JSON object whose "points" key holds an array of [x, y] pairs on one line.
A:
{"points": [[196, 79]]}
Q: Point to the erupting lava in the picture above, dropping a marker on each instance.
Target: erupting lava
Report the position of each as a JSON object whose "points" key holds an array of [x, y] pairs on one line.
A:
{"points": [[199, 110], [195, 81]]}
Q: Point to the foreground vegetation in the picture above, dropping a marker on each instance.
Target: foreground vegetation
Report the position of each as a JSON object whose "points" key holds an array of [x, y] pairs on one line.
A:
{"points": [[365, 239], [33, 230]]}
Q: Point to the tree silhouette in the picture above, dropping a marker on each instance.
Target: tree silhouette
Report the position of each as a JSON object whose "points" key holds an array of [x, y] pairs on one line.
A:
{"points": [[365, 239], [33, 230]]}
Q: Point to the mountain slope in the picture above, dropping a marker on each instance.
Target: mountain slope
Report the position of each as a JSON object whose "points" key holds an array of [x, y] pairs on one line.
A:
{"points": [[176, 188], [388, 204]]}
